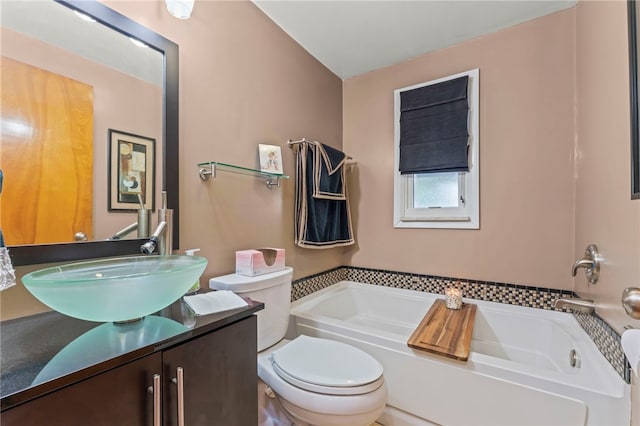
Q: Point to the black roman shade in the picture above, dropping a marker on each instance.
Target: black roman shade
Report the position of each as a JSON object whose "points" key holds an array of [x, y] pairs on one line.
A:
{"points": [[433, 128]]}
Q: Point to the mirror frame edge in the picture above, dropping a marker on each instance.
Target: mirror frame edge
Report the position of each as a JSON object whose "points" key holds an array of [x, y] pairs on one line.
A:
{"points": [[633, 90], [48, 253]]}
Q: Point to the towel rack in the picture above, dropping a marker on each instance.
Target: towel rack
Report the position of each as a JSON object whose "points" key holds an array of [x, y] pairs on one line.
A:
{"points": [[292, 143]]}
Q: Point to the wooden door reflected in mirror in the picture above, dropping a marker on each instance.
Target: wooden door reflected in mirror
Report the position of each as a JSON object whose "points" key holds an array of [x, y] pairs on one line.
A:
{"points": [[47, 152]]}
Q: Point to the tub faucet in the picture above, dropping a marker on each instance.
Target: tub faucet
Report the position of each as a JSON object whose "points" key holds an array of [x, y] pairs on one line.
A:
{"points": [[162, 238], [585, 306]]}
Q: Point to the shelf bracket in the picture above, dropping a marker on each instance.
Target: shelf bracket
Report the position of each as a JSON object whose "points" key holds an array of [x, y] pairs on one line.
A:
{"points": [[207, 173], [270, 183]]}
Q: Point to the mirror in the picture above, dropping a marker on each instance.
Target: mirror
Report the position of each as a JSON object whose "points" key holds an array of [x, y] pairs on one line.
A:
{"points": [[165, 142], [633, 86]]}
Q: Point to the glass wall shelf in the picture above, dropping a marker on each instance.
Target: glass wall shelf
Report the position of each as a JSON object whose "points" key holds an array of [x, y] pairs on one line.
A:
{"points": [[208, 170]]}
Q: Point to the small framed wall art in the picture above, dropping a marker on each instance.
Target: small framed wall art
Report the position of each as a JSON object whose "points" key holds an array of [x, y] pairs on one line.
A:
{"points": [[270, 158], [131, 172]]}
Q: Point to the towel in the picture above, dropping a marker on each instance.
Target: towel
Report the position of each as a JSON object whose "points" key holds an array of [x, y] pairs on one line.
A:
{"points": [[215, 301], [329, 173], [323, 218]]}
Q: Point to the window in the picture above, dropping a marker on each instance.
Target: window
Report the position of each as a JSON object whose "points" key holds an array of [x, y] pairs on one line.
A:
{"points": [[440, 199]]}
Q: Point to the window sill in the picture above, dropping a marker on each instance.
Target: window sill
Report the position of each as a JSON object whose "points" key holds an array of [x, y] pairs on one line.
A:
{"points": [[437, 223]]}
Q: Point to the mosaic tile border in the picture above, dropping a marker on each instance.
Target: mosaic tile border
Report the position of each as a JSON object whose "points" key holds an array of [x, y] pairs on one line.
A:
{"points": [[307, 285], [607, 341], [533, 297], [605, 338]]}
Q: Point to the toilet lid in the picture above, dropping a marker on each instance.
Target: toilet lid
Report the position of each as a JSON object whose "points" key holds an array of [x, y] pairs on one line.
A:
{"points": [[327, 366]]}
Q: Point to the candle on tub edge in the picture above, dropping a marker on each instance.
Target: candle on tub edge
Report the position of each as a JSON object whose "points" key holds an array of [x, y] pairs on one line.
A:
{"points": [[453, 298]]}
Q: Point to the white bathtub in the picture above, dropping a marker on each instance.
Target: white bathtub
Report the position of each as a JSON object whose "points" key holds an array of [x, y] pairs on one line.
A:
{"points": [[518, 372]]}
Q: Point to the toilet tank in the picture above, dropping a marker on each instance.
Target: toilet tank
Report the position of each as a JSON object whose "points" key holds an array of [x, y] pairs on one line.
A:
{"points": [[274, 290]]}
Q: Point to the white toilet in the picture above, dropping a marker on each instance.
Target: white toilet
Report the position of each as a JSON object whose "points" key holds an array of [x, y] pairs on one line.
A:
{"points": [[317, 381]]}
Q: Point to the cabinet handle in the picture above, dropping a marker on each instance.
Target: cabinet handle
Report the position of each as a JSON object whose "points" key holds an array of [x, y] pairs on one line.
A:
{"points": [[155, 391], [179, 380]]}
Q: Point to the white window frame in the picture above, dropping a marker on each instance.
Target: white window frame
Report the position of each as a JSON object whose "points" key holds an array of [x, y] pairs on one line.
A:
{"points": [[467, 214]]}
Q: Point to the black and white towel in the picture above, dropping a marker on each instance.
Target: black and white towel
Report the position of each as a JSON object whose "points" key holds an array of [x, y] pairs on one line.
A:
{"points": [[322, 214]]}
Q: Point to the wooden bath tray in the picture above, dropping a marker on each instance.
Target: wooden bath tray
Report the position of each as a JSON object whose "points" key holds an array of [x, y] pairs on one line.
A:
{"points": [[445, 331]]}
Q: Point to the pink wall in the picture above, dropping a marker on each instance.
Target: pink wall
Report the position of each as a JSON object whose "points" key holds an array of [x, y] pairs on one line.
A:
{"points": [[605, 214], [527, 91]]}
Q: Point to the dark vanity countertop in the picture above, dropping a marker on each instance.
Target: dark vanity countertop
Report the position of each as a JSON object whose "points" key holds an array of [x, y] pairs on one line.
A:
{"points": [[45, 352]]}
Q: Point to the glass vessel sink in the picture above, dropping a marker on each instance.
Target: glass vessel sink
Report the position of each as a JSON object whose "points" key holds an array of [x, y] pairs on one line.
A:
{"points": [[119, 289]]}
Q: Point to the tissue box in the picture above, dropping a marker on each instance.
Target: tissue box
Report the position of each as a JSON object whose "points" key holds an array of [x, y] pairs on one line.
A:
{"points": [[259, 261]]}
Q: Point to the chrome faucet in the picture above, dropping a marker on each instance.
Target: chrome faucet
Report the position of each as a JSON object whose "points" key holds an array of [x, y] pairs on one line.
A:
{"points": [[142, 225], [585, 306], [162, 237]]}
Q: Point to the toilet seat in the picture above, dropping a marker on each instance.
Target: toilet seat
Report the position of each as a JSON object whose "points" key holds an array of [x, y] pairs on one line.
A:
{"points": [[318, 408], [327, 367]]}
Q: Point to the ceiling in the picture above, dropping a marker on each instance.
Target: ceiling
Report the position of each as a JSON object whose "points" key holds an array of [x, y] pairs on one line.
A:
{"points": [[352, 37]]}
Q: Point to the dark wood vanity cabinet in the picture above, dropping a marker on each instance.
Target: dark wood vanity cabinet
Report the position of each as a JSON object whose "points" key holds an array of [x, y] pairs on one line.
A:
{"points": [[220, 378], [116, 397], [219, 387]]}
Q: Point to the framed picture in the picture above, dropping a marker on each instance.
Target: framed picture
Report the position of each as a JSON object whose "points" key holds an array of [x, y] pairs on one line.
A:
{"points": [[270, 158], [131, 172]]}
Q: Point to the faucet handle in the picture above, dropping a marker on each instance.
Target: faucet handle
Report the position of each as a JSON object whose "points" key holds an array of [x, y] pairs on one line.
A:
{"points": [[581, 263], [631, 302], [591, 263]]}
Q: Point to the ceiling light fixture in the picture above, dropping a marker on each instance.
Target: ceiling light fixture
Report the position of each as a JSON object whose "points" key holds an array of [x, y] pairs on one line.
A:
{"points": [[181, 9]]}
